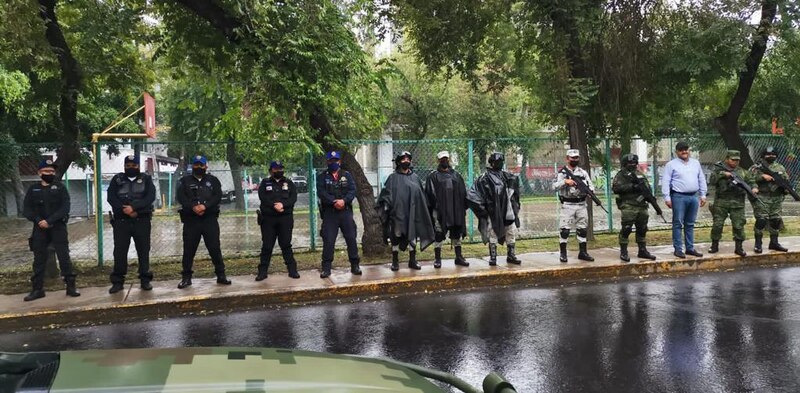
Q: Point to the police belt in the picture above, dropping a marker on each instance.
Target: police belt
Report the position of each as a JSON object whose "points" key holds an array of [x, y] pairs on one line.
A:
{"points": [[572, 200]]}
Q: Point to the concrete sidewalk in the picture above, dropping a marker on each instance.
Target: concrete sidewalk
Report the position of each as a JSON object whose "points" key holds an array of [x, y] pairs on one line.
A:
{"points": [[97, 306]]}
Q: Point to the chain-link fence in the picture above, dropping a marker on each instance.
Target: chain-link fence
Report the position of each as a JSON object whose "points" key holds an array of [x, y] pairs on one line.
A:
{"points": [[241, 167]]}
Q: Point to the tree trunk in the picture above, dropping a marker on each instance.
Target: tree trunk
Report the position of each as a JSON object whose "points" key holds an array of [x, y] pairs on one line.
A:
{"points": [[371, 243], [17, 188], [236, 173], [71, 77], [727, 124]]}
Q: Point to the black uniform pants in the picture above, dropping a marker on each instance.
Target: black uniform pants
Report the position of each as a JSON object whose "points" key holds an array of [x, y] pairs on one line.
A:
{"points": [[40, 239], [276, 228], [125, 229], [332, 221], [207, 227]]}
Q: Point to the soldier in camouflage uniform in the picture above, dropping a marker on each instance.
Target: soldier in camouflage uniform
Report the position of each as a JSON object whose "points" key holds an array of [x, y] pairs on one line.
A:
{"points": [[772, 194], [633, 206], [729, 201]]}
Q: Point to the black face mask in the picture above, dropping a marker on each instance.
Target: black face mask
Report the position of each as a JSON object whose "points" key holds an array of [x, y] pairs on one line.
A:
{"points": [[497, 165], [632, 166], [131, 172], [48, 178], [198, 171], [405, 165], [277, 174], [574, 163], [444, 165], [770, 159]]}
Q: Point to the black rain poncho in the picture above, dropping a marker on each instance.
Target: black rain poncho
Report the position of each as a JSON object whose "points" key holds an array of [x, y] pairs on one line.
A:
{"points": [[404, 211]]}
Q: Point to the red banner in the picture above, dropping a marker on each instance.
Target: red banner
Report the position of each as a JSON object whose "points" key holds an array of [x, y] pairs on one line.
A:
{"points": [[149, 115]]}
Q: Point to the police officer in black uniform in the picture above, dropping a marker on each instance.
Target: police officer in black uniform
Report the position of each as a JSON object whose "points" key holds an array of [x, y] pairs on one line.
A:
{"points": [[131, 195], [336, 191], [278, 196], [47, 206], [199, 195]]}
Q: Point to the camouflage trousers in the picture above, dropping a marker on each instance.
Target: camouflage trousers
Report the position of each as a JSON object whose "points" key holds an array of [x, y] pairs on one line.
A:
{"points": [[511, 235], [768, 215], [633, 216], [722, 209]]}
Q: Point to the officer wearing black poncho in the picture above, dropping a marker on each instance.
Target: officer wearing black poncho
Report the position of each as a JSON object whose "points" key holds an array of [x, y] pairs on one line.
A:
{"points": [[494, 198], [447, 202], [404, 212]]}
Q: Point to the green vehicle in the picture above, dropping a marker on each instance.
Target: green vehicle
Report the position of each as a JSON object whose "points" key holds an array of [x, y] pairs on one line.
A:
{"points": [[225, 370]]}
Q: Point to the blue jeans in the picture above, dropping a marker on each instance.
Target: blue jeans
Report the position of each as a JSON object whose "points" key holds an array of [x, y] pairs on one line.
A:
{"points": [[684, 213]]}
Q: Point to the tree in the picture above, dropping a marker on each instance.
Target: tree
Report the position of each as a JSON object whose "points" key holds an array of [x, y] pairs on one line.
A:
{"points": [[301, 67]]}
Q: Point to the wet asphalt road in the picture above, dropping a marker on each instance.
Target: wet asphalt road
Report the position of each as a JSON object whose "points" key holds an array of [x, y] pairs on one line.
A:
{"points": [[724, 332]]}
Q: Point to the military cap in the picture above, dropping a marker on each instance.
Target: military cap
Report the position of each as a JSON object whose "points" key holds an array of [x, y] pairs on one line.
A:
{"points": [[333, 155], [47, 163], [199, 160], [131, 158], [733, 155], [275, 164], [573, 153]]}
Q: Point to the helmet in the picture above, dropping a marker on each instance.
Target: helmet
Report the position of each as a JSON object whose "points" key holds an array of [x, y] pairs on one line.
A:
{"points": [[496, 160], [629, 159], [400, 156], [770, 150]]}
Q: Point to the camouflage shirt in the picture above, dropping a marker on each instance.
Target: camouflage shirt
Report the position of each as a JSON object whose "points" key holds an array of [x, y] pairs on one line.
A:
{"points": [[623, 186], [769, 188], [725, 189]]}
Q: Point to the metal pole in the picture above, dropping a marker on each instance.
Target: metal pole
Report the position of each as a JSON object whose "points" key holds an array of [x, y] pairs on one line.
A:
{"points": [[66, 179], [311, 181], [169, 193], [608, 186], [98, 185], [470, 180]]}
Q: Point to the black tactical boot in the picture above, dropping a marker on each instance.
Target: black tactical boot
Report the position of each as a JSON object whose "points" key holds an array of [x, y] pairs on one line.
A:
{"points": [[35, 294], [623, 253], [185, 283], [72, 290], [292, 270], [395, 261], [757, 248], [563, 256], [145, 285], [437, 258], [116, 287], [739, 250], [643, 253], [511, 257], [714, 247], [355, 269], [412, 261], [223, 280], [774, 245], [460, 261], [492, 254], [261, 276], [583, 255]]}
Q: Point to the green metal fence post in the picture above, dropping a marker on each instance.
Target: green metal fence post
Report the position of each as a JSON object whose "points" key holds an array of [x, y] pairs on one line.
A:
{"points": [[66, 179], [470, 180], [98, 186], [608, 186], [169, 193], [244, 194], [311, 181]]}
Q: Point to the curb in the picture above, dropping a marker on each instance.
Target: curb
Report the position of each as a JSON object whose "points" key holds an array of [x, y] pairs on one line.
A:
{"points": [[564, 274]]}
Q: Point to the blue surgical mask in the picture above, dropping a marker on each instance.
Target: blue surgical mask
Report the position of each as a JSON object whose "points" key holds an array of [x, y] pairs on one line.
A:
{"points": [[333, 167]]}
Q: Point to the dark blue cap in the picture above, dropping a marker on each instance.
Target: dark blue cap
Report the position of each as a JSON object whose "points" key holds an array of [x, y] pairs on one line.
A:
{"points": [[275, 164], [199, 160], [333, 155], [47, 163], [132, 159]]}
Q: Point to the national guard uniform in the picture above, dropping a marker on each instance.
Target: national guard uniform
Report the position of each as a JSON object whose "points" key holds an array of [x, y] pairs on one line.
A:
{"points": [[47, 206], [494, 197], [771, 211], [628, 185], [278, 196], [131, 194], [336, 190], [729, 201], [573, 206], [199, 195]]}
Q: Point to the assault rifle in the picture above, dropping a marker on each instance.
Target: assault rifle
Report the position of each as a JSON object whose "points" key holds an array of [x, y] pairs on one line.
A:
{"points": [[737, 181], [583, 187], [780, 180], [647, 193]]}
